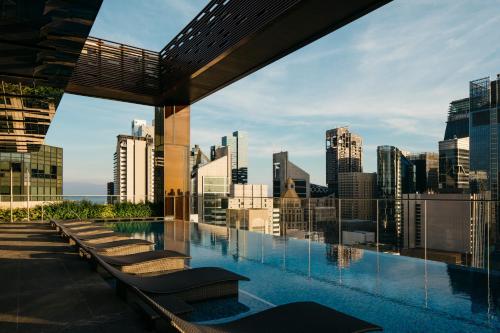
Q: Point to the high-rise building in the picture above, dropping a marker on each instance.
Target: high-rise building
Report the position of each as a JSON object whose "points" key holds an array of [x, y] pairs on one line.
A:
{"points": [[37, 174], [284, 169], [134, 168], [426, 171], [140, 128], [238, 145], [197, 159], [457, 125], [211, 189], [454, 165], [343, 154], [484, 141], [395, 177], [359, 190]]}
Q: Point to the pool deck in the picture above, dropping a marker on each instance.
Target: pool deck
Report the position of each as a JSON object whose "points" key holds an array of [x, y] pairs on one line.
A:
{"points": [[45, 286]]}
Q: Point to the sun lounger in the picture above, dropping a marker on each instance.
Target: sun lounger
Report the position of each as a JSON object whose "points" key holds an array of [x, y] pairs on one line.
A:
{"points": [[120, 247], [147, 262], [189, 285], [297, 317], [103, 238]]}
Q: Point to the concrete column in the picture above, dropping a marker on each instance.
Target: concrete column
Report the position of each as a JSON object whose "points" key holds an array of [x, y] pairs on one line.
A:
{"points": [[174, 148]]}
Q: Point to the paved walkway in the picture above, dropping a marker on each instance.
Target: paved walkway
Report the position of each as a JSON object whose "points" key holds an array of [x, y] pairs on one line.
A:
{"points": [[46, 287]]}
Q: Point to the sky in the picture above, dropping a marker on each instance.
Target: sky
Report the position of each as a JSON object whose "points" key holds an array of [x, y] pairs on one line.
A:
{"points": [[389, 76]]}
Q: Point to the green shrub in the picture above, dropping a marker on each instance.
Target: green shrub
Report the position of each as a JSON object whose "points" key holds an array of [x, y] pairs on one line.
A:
{"points": [[82, 209]]}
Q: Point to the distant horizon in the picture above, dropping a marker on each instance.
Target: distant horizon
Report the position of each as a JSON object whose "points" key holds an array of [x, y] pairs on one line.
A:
{"points": [[389, 75]]}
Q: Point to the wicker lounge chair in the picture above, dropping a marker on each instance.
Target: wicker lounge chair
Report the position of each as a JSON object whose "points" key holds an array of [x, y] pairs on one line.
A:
{"points": [[189, 285], [148, 262], [297, 317], [110, 236], [87, 232], [120, 247]]}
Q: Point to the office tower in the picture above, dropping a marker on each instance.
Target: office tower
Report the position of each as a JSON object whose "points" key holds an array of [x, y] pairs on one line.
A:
{"points": [[359, 189], [426, 171], [197, 159], [284, 169], [395, 177], [238, 145], [484, 126], [37, 174], [134, 168], [210, 190], [140, 128], [454, 165], [457, 125], [343, 154]]}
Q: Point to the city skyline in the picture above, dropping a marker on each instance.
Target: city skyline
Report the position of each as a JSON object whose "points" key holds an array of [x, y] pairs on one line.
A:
{"points": [[416, 96]]}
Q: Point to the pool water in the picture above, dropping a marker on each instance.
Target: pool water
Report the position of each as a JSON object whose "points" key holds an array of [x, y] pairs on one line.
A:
{"points": [[401, 294]]}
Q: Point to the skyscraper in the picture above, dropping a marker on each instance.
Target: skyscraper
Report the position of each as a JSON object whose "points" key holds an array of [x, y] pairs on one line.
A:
{"points": [[484, 126], [343, 154], [134, 168], [361, 188], [426, 171], [284, 169], [457, 125], [454, 165], [238, 145], [395, 177], [140, 128]]}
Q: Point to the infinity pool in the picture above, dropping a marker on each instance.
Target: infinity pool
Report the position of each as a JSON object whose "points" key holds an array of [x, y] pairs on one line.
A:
{"points": [[401, 294]]}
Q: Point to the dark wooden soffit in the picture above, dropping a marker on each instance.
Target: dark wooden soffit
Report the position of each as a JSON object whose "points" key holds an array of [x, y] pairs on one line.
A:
{"points": [[226, 41]]}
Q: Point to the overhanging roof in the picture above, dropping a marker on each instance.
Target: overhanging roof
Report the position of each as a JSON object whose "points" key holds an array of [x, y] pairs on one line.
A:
{"points": [[41, 40]]}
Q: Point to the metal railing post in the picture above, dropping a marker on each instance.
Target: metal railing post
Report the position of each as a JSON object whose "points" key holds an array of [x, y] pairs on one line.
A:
{"points": [[11, 195], [378, 229], [340, 222]]}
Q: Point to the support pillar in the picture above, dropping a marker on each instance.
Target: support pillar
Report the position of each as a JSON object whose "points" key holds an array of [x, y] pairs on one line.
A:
{"points": [[172, 137]]}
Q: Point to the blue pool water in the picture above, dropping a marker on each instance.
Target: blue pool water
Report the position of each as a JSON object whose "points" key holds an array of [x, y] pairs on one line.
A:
{"points": [[401, 294]]}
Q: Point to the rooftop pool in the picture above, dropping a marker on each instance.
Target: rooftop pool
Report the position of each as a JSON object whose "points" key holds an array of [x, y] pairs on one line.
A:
{"points": [[401, 294]]}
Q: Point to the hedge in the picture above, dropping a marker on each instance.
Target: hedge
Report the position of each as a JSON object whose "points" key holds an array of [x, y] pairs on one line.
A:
{"points": [[82, 209]]}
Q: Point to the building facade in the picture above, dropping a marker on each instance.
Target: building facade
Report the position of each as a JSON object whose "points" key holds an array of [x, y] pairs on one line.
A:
{"points": [[291, 210], [449, 226], [197, 159], [211, 183], [238, 147], [38, 174], [284, 169], [457, 125], [395, 177], [134, 169], [359, 191], [426, 171], [141, 128], [484, 127], [454, 165], [343, 154]]}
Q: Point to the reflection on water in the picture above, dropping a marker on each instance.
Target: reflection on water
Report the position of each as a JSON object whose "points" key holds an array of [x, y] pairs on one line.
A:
{"points": [[451, 291]]}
